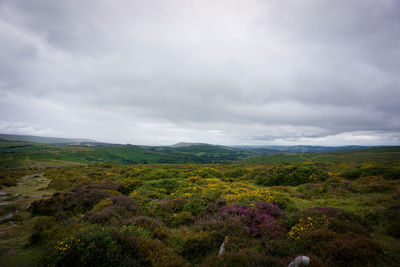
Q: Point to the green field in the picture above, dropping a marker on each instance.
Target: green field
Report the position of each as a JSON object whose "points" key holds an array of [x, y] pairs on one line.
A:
{"points": [[365, 155], [17, 154]]}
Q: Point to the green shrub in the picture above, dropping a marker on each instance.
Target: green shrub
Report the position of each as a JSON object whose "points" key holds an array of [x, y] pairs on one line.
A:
{"points": [[154, 253], [76, 200], [340, 249], [192, 244], [236, 173], [43, 230], [370, 184], [391, 174], [128, 185], [168, 185], [92, 246], [113, 213], [307, 174], [181, 218], [245, 258], [291, 176], [373, 171], [351, 174]]}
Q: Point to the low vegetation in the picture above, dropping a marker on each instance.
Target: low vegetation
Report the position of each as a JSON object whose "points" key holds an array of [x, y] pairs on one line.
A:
{"points": [[339, 213]]}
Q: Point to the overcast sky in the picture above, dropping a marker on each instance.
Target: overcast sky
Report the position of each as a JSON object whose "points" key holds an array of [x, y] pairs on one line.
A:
{"points": [[227, 72]]}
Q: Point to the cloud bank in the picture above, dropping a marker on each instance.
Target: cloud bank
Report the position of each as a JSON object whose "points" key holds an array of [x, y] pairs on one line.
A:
{"points": [[225, 72]]}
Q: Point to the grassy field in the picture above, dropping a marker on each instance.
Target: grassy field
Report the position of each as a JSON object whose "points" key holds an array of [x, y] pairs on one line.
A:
{"points": [[365, 155], [17, 154]]}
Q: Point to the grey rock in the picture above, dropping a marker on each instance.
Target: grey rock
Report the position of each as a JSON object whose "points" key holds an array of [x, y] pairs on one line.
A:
{"points": [[3, 194], [36, 195], [222, 249], [4, 204], [300, 261], [17, 195], [7, 217]]}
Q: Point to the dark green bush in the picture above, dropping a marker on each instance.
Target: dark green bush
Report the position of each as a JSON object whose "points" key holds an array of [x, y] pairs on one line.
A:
{"points": [[122, 207], [340, 249], [192, 244], [373, 171], [236, 173], [92, 246], [77, 200], [291, 176], [391, 174], [169, 185], [307, 174], [128, 185], [245, 258], [43, 230], [351, 174]]}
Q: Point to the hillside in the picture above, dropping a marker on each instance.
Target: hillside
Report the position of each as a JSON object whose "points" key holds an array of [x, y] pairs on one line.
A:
{"points": [[16, 154], [43, 140], [365, 155]]}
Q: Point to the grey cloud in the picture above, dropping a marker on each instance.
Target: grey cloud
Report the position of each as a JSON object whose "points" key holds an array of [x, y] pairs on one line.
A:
{"points": [[224, 72]]}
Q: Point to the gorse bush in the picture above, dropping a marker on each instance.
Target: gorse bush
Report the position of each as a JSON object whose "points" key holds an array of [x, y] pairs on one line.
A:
{"points": [[291, 175], [91, 246], [95, 245], [128, 185], [201, 191]]}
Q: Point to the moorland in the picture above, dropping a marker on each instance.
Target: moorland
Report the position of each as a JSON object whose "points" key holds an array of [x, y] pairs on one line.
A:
{"points": [[125, 205]]}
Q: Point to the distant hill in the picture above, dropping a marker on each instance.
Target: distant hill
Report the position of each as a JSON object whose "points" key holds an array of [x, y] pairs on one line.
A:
{"points": [[364, 155], [185, 144], [267, 150], [25, 154], [45, 140], [23, 150]]}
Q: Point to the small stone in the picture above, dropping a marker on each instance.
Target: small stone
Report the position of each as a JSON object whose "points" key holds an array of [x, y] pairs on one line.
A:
{"points": [[7, 217], [4, 204], [222, 249], [300, 261], [3, 194], [17, 195]]}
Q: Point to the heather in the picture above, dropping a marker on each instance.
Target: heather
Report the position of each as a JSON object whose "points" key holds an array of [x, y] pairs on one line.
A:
{"points": [[179, 215]]}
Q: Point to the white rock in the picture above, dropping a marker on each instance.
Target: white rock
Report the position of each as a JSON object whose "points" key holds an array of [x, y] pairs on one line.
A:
{"points": [[300, 261]]}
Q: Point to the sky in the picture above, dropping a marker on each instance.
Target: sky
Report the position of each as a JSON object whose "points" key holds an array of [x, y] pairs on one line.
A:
{"points": [[230, 72]]}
